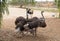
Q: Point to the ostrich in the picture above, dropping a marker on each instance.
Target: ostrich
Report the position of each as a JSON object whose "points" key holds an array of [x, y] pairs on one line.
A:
{"points": [[42, 22], [29, 12], [18, 19], [35, 23], [32, 24], [20, 24]]}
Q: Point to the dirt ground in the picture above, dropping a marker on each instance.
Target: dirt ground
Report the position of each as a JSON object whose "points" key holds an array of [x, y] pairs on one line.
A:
{"points": [[50, 33]]}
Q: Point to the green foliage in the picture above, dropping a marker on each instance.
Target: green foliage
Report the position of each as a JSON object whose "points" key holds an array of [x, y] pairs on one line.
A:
{"points": [[24, 2], [3, 9], [55, 0], [58, 5], [14, 2], [33, 2]]}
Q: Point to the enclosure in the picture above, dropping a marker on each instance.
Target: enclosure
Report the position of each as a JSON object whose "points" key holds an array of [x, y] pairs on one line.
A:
{"points": [[50, 33]]}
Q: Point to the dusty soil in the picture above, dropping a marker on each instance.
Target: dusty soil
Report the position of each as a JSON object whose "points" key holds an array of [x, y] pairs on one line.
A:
{"points": [[50, 33]]}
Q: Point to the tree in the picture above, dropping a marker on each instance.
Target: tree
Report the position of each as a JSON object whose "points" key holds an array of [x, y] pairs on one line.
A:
{"points": [[23, 2], [3, 9], [32, 2], [58, 6]]}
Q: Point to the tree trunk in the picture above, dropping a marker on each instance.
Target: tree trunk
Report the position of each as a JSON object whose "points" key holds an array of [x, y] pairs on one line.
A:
{"points": [[59, 14], [0, 23], [0, 20]]}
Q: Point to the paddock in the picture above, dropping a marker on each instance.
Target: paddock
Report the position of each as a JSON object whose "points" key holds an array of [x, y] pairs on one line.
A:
{"points": [[50, 33]]}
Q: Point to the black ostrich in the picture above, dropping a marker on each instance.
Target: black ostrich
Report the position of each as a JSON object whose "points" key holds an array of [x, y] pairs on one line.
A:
{"points": [[32, 24]]}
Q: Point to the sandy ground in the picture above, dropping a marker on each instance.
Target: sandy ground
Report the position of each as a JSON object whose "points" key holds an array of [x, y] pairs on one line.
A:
{"points": [[50, 33], [15, 12]]}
